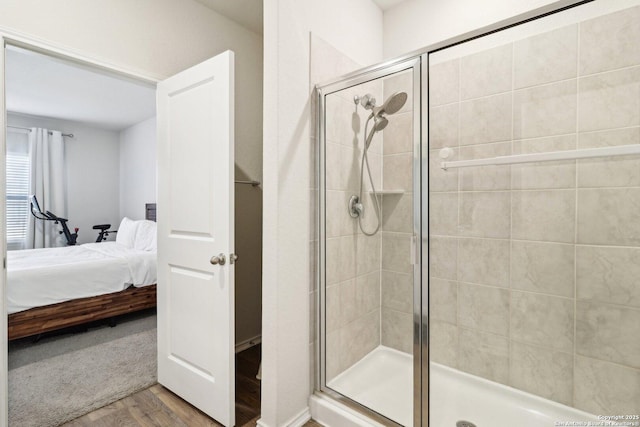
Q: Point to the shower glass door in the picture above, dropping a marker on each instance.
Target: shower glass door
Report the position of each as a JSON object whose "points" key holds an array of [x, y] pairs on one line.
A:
{"points": [[534, 257], [370, 225]]}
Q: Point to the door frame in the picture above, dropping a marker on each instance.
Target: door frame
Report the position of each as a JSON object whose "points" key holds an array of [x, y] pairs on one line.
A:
{"points": [[12, 38]]}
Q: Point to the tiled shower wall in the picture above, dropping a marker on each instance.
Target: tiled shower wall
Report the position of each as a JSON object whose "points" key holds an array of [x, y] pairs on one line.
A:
{"points": [[535, 268]]}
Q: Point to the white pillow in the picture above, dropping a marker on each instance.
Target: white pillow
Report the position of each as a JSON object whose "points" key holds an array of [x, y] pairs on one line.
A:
{"points": [[146, 236], [126, 234]]}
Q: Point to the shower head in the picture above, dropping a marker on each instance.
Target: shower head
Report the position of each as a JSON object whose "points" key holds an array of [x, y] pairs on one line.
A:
{"points": [[392, 105], [379, 123]]}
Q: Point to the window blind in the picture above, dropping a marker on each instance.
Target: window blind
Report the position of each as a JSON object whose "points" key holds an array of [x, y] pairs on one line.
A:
{"points": [[18, 170]]}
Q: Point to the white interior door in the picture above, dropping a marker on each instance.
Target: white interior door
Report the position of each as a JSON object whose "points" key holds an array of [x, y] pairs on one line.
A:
{"points": [[195, 223]]}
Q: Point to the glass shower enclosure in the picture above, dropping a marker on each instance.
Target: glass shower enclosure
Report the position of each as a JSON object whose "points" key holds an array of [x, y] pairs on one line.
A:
{"points": [[369, 242], [479, 230]]}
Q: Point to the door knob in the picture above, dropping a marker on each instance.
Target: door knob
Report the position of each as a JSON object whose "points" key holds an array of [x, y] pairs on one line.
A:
{"points": [[218, 260], [233, 258]]}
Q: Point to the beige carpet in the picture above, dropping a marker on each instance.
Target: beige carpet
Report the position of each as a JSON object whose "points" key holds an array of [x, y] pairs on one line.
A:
{"points": [[50, 391]]}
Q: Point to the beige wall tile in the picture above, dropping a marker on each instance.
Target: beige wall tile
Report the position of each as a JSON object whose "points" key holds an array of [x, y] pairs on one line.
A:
{"points": [[396, 252], [398, 172], [542, 319], [338, 220], [367, 254], [623, 171], [443, 257], [610, 41], [545, 110], [543, 267], [485, 120], [397, 212], [485, 214], [375, 163], [443, 301], [443, 126], [397, 330], [544, 215], [484, 355], [439, 179], [544, 175], [609, 100], [606, 388], [610, 275], [397, 291], [484, 261], [443, 214], [348, 303], [342, 168], [546, 58], [343, 123], [359, 338], [367, 293], [609, 216], [327, 62], [444, 82], [484, 308], [486, 73], [332, 308], [340, 259], [443, 343], [398, 135], [485, 177], [608, 332], [544, 372]]}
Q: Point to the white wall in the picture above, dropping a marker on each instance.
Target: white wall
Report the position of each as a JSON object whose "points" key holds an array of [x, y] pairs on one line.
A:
{"points": [[355, 28], [137, 168], [414, 24], [92, 160]]}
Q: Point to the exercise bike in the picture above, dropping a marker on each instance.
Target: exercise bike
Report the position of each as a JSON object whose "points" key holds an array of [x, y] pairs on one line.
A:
{"points": [[49, 216], [71, 237]]}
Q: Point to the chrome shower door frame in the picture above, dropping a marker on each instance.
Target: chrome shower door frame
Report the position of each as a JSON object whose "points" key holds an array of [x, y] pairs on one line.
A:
{"points": [[384, 70]]}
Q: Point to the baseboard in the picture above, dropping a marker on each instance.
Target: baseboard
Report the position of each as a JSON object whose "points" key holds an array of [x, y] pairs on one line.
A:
{"points": [[331, 413], [300, 419], [243, 345], [297, 421]]}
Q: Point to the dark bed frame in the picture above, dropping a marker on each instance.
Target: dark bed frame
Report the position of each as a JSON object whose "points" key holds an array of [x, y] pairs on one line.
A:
{"points": [[49, 318]]}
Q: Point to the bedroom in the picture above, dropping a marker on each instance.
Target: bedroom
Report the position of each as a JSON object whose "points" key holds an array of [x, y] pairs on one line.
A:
{"points": [[98, 189], [84, 143]]}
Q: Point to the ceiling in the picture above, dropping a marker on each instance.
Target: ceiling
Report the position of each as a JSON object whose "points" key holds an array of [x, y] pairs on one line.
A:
{"points": [[247, 13], [43, 86], [387, 4]]}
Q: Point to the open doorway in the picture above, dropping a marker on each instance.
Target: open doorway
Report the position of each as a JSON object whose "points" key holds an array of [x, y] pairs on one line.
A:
{"points": [[27, 120], [81, 157]]}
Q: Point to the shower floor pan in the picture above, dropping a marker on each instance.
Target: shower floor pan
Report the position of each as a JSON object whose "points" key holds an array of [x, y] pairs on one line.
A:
{"points": [[383, 381]]}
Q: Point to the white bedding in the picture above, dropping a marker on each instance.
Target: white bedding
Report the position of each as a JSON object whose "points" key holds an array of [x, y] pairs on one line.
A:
{"points": [[38, 277]]}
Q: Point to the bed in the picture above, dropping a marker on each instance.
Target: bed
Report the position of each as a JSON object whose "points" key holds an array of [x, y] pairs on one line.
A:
{"points": [[50, 289]]}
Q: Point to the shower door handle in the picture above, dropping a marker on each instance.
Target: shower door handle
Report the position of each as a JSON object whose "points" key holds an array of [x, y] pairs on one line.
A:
{"points": [[413, 249]]}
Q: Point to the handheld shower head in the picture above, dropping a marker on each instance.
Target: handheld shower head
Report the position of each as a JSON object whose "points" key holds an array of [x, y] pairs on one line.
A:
{"points": [[379, 123], [392, 105]]}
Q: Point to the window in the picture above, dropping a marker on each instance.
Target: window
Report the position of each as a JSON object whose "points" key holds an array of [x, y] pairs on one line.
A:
{"points": [[18, 187]]}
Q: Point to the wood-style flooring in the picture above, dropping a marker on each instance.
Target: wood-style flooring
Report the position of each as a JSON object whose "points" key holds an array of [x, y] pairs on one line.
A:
{"points": [[159, 407]]}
